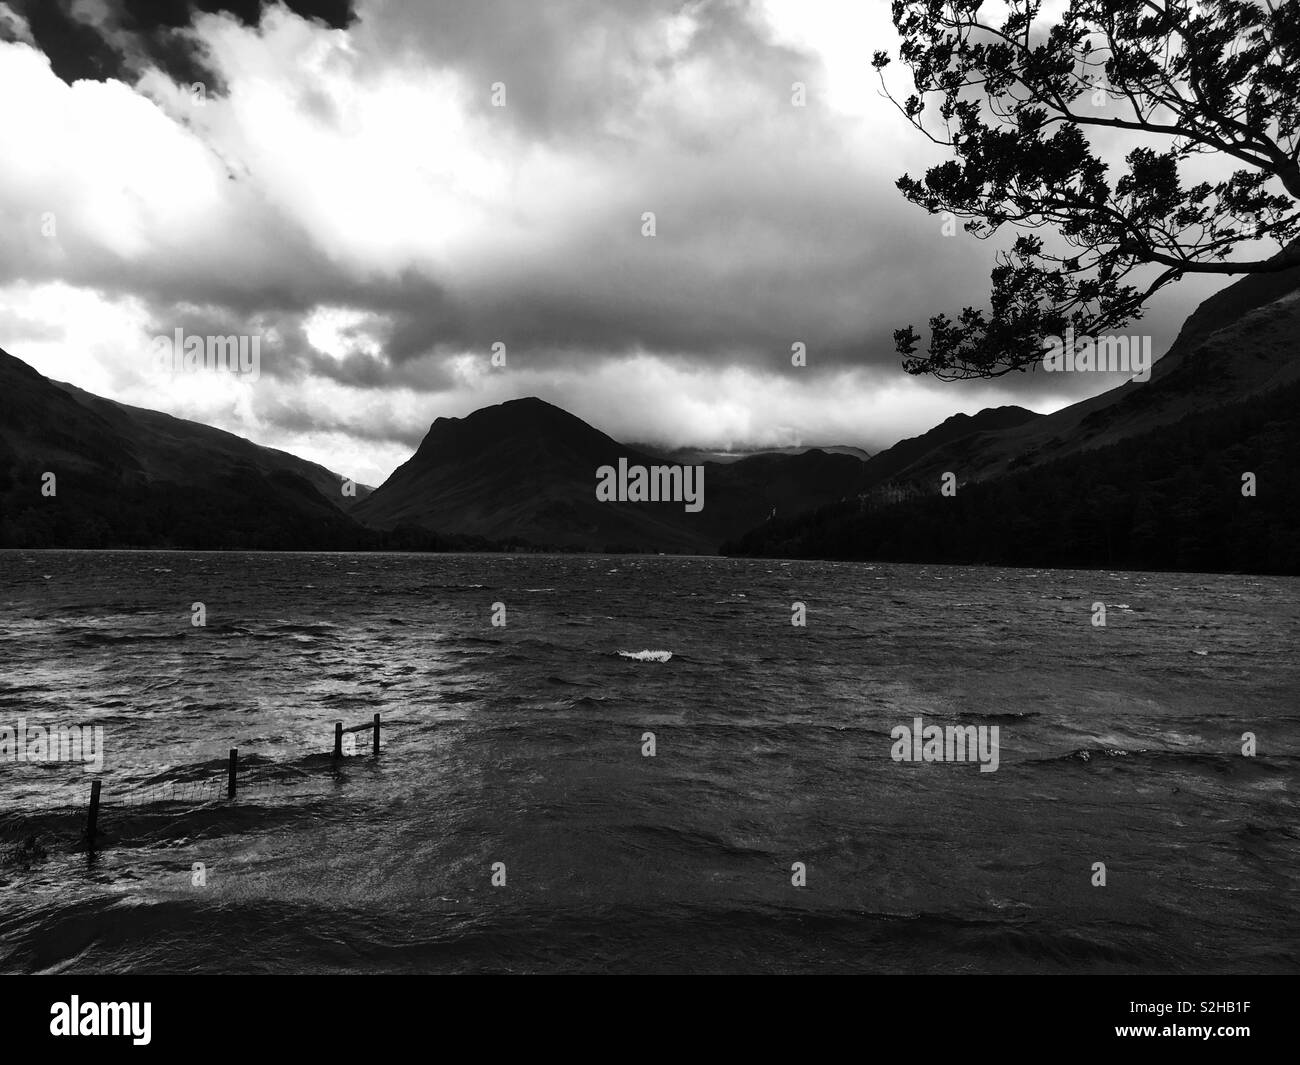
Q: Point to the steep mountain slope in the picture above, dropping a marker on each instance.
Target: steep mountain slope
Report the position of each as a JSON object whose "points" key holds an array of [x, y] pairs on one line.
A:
{"points": [[1175, 498], [1238, 343], [124, 476], [526, 471], [960, 428], [173, 449], [522, 472], [773, 483], [1148, 475]]}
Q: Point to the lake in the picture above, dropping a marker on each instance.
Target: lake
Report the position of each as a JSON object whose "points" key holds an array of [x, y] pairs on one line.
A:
{"points": [[550, 798]]}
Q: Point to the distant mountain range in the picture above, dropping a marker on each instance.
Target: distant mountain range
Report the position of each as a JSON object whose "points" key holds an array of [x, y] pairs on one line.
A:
{"points": [[80, 471], [963, 429], [77, 470], [1148, 474], [521, 474], [526, 471], [1242, 342]]}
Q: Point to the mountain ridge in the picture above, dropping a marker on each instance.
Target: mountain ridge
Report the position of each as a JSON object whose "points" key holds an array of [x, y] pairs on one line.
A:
{"points": [[1191, 470], [80, 470], [526, 470], [523, 472]]}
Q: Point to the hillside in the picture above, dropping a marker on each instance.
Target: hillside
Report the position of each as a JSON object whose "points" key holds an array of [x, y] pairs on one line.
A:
{"points": [[1148, 475], [1240, 342], [525, 471], [131, 477]]}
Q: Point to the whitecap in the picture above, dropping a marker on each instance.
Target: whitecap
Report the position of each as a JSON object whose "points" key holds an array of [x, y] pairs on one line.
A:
{"points": [[647, 656]]}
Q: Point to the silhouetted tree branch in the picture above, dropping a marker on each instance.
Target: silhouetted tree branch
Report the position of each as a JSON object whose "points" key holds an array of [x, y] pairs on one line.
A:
{"points": [[1013, 101]]}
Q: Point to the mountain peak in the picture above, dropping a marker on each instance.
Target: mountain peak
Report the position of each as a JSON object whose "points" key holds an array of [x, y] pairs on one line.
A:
{"points": [[526, 418]]}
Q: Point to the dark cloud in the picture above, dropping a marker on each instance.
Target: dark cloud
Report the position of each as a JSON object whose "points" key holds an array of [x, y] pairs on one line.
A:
{"points": [[75, 49], [288, 356], [567, 65], [120, 38], [290, 414], [775, 225]]}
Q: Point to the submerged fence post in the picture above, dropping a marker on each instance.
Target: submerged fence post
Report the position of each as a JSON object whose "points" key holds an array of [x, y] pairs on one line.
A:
{"points": [[92, 815], [230, 784], [376, 735], [338, 739]]}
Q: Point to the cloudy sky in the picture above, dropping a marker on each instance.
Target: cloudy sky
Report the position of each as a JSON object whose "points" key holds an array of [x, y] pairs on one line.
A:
{"points": [[339, 179]]}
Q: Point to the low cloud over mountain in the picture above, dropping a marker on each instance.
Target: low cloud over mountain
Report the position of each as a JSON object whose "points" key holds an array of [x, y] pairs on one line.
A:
{"points": [[344, 186]]}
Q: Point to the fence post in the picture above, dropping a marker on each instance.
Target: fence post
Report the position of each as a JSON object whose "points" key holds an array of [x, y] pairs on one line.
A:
{"points": [[234, 760], [376, 735], [338, 739], [92, 815]]}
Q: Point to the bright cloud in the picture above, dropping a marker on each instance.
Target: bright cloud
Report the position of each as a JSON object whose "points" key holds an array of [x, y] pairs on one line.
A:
{"points": [[349, 192]]}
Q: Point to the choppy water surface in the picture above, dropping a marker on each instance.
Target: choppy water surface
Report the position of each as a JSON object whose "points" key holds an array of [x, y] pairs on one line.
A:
{"points": [[523, 745]]}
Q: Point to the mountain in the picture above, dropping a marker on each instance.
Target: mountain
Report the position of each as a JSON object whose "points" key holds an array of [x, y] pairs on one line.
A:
{"points": [[1148, 475], [774, 484], [1239, 342], [173, 449], [525, 471], [522, 473], [965, 429], [124, 476]]}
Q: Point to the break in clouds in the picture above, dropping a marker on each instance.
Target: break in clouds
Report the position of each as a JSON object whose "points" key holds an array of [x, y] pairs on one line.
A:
{"points": [[336, 179]]}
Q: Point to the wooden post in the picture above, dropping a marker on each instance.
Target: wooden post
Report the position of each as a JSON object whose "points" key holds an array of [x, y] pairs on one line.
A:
{"points": [[338, 739], [92, 817], [230, 784], [376, 735]]}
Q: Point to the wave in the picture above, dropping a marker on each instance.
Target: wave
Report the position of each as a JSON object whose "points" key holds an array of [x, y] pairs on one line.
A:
{"points": [[647, 656]]}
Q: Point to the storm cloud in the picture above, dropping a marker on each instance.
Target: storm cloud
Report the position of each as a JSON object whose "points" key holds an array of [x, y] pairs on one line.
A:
{"points": [[385, 189]]}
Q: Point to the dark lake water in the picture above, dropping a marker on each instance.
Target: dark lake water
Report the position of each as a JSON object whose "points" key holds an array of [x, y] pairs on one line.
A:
{"points": [[523, 745]]}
